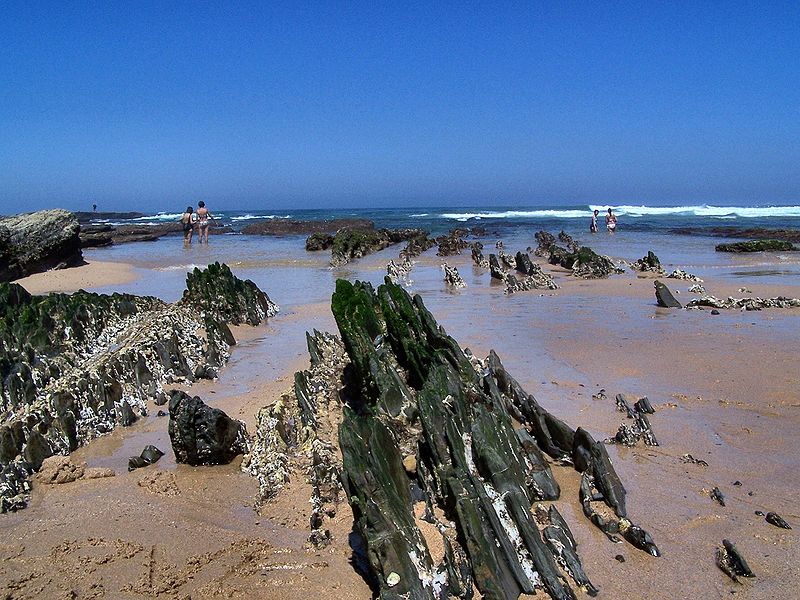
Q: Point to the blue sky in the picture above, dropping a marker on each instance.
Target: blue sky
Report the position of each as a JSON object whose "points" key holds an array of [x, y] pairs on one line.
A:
{"points": [[153, 106]]}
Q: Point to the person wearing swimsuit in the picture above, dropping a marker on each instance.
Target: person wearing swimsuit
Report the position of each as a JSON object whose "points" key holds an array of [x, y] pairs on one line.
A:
{"points": [[593, 226], [611, 221], [188, 225], [203, 219]]}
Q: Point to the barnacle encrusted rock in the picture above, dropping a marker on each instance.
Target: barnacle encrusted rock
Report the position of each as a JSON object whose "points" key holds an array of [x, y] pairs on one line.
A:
{"points": [[74, 366]]}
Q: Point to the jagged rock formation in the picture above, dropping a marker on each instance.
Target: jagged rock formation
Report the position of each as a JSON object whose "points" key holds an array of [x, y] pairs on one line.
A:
{"points": [[452, 276], [697, 289], [584, 262], [664, 297], [537, 281], [399, 271], [757, 246], [319, 241], [73, 367], [412, 392], [744, 303], [649, 263], [350, 244], [629, 435], [295, 434], [545, 241], [38, 241], [202, 435], [567, 240], [452, 243], [508, 260], [680, 274], [535, 277], [416, 246], [495, 269], [477, 256]]}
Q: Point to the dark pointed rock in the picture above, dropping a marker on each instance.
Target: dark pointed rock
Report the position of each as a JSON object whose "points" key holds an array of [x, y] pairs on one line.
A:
{"points": [[664, 297], [775, 519]]}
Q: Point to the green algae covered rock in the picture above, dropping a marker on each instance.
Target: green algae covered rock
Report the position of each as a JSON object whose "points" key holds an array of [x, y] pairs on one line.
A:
{"points": [[757, 246], [584, 262], [217, 292], [349, 243], [411, 390]]}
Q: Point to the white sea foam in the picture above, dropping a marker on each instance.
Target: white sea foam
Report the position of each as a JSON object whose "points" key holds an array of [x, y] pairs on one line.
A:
{"points": [[249, 217], [703, 210], [420, 215], [186, 268], [160, 217]]}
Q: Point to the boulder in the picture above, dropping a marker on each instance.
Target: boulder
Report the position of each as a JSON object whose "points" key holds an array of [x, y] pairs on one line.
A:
{"points": [[202, 435], [150, 455], [38, 241]]}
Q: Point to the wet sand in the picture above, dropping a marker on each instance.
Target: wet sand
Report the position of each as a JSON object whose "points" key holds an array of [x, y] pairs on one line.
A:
{"points": [[724, 388]]}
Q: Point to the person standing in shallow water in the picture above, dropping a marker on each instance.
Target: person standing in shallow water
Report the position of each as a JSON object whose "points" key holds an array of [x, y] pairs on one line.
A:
{"points": [[611, 221], [593, 226], [203, 220], [187, 221]]}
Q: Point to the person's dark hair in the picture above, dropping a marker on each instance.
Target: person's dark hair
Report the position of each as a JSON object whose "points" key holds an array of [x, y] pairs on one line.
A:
{"points": [[188, 209], [596, 211], [201, 204], [609, 209]]}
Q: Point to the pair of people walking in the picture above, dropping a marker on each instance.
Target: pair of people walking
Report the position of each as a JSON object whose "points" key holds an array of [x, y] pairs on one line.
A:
{"points": [[200, 219], [611, 221]]}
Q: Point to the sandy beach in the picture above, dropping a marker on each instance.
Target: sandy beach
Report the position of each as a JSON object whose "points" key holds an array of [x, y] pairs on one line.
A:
{"points": [[93, 274], [724, 388]]}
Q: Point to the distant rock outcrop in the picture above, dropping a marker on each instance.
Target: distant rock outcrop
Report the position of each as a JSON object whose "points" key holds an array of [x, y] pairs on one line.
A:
{"points": [[38, 241], [757, 246], [350, 244], [293, 227]]}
